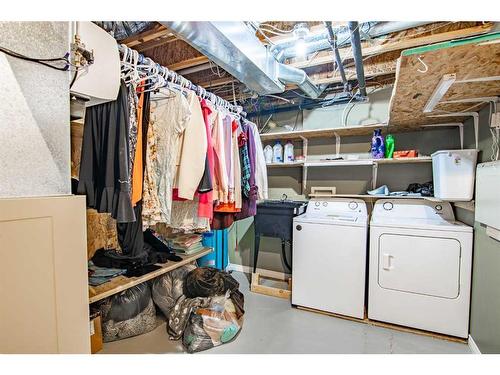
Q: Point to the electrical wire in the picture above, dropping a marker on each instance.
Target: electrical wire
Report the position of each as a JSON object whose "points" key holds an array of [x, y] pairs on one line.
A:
{"points": [[277, 30], [46, 62]]}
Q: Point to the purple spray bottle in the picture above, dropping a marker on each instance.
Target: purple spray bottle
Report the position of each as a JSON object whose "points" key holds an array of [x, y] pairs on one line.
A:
{"points": [[378, 148]]}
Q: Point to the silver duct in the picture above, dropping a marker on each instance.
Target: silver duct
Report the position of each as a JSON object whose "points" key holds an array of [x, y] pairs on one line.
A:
{"points": [[319, 41], [235, 48]]}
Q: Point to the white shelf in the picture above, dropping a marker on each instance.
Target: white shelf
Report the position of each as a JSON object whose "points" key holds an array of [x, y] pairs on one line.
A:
{"points": [[286, 165], [356, 162], [339, 163]]}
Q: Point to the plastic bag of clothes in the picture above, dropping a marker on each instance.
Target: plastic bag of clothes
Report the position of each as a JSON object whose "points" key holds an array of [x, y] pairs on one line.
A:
{"points": [[212, 326], [128, 314], [168, 288], [209, 313]]}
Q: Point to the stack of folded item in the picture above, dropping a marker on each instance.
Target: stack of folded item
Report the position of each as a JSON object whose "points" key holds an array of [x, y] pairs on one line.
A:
{"points": [[101, 275], [186, 243]]}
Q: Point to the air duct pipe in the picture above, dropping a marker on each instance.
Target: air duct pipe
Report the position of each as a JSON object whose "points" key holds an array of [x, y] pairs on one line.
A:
{"points": [[235, 48], [291, 75], [319, 41], [358, 57], [332, 39]]}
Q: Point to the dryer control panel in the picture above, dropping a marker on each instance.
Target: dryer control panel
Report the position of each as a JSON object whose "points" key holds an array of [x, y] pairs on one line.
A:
{"points": [[412, 209]]}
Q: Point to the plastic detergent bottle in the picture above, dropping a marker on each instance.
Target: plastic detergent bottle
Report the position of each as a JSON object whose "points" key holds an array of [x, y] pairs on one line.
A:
{"points": [[389, 146], [268, 154], [378, 149], [277, 152], [289, 157]]}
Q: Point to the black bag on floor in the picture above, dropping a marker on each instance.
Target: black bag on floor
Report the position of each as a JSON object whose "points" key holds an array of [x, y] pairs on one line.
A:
{"points": [[128, 314]]}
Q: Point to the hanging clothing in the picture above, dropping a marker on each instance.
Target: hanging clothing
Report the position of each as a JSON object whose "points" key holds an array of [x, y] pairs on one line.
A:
{"points": [[138, 166], [205, 206], [260, 164], [185, 217], [169, 117], [105, 160], [237, 166], [245, 163], [249, 204], [228, 147], [191, 164], [133, 102], [220, 191], [130, 235]]}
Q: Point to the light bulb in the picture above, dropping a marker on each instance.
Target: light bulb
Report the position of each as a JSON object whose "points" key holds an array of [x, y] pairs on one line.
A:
{"points": [[300, 47]]}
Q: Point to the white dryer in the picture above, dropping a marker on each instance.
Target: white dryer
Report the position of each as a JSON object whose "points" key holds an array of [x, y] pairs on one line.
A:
{"points": [[329, 256], [420, 266]]}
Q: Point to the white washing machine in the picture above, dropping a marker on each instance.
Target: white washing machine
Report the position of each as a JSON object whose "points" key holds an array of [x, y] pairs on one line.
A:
{"points": [[329, 256], [420, 266]]}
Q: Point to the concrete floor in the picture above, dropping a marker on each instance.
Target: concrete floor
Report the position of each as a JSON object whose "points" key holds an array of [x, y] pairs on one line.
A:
{"points": [[273, 326]]}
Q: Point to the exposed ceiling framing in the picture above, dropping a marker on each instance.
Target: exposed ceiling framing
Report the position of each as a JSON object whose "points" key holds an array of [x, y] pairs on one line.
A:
{"points": [[380, 63]]}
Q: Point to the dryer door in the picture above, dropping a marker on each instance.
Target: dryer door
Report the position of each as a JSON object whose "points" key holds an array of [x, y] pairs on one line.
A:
{"points": [[419, 264]]}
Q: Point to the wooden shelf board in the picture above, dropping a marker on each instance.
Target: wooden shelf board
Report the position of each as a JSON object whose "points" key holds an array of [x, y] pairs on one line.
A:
{"points": [[121, 283]]}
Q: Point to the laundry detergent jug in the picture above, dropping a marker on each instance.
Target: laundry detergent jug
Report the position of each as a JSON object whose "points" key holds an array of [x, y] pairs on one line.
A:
{"points": [[277, 152], [378, 148]]}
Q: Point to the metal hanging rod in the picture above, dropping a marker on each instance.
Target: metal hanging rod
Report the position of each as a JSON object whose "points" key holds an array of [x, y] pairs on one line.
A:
{"points": [[162, 75]]}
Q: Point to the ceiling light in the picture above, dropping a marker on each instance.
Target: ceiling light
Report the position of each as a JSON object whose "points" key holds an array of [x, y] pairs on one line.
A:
{"points": [[300, 32], [444, 84], [300, 47]]}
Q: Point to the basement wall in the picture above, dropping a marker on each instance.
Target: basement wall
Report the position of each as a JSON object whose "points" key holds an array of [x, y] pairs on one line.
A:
{"points": [[348, 180]]}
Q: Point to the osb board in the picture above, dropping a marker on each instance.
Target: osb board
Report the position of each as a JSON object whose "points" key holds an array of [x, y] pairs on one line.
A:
{"points": [[76, 148], [101, 232], [413, 89]]}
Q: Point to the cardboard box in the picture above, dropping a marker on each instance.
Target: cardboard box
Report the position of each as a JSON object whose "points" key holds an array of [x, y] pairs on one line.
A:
{"points": [[95, 333]]}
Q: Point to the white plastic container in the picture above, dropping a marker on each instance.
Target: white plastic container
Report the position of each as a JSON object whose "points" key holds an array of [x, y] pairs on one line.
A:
{"points": [[278, 153], [289, 156], [268, 154], [453, 172]]}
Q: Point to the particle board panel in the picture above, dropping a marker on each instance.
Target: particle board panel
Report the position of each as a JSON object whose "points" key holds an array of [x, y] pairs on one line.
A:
{"points": [[470, 59], [101, 232]]}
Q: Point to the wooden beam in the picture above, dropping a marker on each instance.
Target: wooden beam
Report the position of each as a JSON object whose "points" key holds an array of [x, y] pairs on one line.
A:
{"points": [[145, 36], [326, 57], [217, 82], [195, 61], [157, 42]]}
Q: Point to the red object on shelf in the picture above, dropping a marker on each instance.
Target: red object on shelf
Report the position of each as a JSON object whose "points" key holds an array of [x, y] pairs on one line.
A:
{"points": [[405, 154]]}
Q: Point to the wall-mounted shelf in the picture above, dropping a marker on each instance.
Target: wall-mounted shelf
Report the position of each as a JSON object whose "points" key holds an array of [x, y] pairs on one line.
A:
{"points": [[121, 283], [322, 133], [352, 162], [286, 165]]}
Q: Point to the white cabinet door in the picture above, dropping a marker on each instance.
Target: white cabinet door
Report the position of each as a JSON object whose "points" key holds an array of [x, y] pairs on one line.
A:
{"points": [[43, 282], [418, 264]]}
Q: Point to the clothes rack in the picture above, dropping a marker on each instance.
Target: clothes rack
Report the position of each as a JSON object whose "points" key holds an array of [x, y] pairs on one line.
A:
{"points": [[159, 74]]}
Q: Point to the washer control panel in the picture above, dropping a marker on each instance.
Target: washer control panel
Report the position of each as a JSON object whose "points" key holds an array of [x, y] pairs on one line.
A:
{"points": [[337, 206]]}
